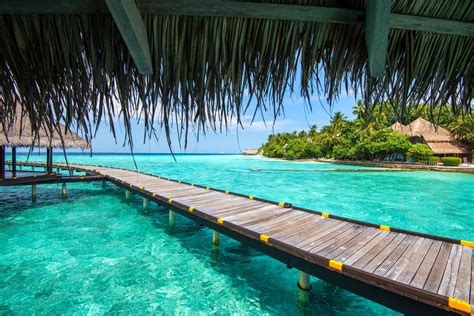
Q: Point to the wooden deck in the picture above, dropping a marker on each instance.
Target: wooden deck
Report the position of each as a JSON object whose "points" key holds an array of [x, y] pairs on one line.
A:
{"points": [[407, 271]]}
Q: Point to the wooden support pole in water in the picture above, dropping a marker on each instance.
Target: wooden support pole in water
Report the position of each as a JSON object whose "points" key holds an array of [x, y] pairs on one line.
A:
{"points": [[146, 202], [171, 217], [64, 190], [49, 160], [33, 192], [215, 238], [128, 194], [14, 162], [304, 287], [104, 184], [2, 162]]}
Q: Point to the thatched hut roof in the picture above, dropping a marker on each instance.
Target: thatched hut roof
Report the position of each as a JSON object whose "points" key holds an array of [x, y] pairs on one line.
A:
{"points": [[19, 133], [439, 139], [195, 64]]}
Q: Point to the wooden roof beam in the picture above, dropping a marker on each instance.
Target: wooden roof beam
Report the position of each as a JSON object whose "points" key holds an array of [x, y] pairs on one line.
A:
{"points": [[236, 9], [376, 34], [132, 28]]}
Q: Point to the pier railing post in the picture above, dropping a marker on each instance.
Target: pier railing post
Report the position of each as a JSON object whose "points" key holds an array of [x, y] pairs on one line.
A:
{"points": [[304, 287]]}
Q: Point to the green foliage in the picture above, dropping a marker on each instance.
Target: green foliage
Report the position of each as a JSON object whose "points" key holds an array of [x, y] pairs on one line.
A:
{"points": [[433, 159], [301, 148], [419, 152], [451, 161], [369, 136]]}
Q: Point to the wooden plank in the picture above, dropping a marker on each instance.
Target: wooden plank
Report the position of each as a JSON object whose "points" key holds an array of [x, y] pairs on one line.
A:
{"points": [[222, 8], [423, 272], [282, 221], [355, 244], [436, 273], [293, 228], [376, 35], [463, 279], [306, 228], [236, 210], [360, 258], [230, 207], [339, 240], [258, 216], [312, 240], [383, 254], [357, 233], [329, 238], [450, 270], [408, 264], [388, 263], [258, 213]]}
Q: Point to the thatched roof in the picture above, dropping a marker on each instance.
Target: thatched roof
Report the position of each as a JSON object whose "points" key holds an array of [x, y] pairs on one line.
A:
{"points": [[194, 64], [19, 133], [439, 139]]}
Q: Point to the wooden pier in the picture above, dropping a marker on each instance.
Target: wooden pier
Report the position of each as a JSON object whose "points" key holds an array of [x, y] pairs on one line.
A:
{"points": [[410, 272]]}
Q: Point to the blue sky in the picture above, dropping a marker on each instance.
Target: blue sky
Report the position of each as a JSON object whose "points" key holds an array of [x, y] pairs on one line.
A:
{"points": [[297, 117]]}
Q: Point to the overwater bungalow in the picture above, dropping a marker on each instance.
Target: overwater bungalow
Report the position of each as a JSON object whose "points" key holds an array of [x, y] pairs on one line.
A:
{"points": [[19, 133], [439, 139]]}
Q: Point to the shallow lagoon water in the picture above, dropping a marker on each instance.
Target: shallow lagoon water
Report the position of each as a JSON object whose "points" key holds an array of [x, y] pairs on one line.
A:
{"points": [[94, 253]]}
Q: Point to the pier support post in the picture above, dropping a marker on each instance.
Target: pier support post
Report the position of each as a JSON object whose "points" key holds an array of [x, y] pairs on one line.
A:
{"points": [[13, 166], [304, 287], [104, 184], [128, 194], [171, 217], [215, 238], [64, 190], [33, 192], [146, 202]]}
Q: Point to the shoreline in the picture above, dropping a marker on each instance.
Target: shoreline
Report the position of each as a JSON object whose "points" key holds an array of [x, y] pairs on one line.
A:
{"points": [[387, 165]]}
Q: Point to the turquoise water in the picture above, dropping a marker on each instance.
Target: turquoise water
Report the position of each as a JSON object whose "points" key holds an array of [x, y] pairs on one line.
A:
{"points": [[93, 253]]}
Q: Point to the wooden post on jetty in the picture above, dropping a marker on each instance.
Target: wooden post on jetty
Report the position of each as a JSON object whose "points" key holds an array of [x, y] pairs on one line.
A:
{"points": [[171, 217], [2, 162], [33, 192], [146, 202], [13, 162], [128, 194], [304, 287], [215, 238], [64, 190], [104, 184]]}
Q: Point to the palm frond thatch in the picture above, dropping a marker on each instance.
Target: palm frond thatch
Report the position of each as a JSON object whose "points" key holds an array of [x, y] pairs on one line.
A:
{"points": [[76, 68]]}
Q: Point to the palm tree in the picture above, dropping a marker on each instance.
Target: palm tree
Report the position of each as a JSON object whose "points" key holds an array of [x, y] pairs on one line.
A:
{"points": [[463, 129], [313, 131], [338, 121], [359, 110]]}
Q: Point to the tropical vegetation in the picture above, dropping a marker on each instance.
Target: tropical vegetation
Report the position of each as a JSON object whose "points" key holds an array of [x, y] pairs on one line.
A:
{"points": [[367, 137]]}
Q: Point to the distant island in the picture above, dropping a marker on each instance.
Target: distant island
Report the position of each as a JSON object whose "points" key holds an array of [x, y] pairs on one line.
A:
{"points": [[371, 136]]}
